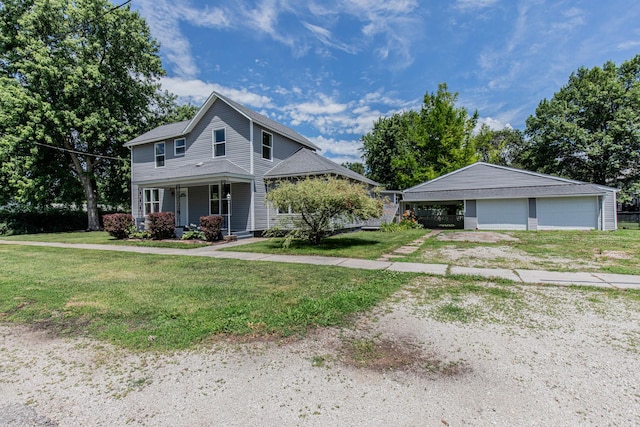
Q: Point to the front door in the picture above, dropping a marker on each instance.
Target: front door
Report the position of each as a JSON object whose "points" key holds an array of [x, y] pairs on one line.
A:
{"points": [[183, 206]]}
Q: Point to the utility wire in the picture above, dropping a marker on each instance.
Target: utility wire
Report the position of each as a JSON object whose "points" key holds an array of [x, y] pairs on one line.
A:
{"points": [[81, 152]]}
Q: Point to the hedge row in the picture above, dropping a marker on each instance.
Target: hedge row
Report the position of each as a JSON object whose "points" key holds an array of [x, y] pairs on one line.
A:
{"points": [[28, 220]]}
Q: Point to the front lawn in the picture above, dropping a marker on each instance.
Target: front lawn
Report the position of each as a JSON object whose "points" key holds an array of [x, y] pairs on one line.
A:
{"points": [[98, 238], [361, 244], [171, 302]]}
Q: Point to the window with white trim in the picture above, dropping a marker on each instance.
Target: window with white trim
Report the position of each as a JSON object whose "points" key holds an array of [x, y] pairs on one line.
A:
{"points": [[267, 146], [179, 146], [151, 200], [159, 153], [219, 142]]}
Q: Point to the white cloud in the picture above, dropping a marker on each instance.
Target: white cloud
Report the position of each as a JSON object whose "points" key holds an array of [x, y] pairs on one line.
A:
{"points": [[197, 91]]}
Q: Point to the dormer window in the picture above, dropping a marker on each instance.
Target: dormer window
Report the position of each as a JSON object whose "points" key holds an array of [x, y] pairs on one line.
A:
{"points": [[267, 146], [179, 146], [219, 143], [160, 156]]}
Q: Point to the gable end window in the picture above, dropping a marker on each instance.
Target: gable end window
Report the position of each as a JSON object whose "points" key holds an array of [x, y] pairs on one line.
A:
{"points": [[180, 146], [267, 146], [219, 143], [160, 157]]}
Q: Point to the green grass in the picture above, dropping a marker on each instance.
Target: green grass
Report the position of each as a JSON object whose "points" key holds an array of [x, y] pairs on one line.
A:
{"points": [[609, 251], [97, 238], [159, 302], [361, 244]]}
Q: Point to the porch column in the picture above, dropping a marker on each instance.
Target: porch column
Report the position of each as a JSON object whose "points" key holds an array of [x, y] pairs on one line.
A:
{"points": [[178, 208]]}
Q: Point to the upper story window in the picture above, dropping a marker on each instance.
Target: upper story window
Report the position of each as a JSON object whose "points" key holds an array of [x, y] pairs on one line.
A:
{"points": [[267, 146], [219, 143], [179, 146], [160, 156]]}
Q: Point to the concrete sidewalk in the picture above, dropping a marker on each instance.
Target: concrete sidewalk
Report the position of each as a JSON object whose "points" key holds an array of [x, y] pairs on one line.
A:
{"points": [[597, 279]]}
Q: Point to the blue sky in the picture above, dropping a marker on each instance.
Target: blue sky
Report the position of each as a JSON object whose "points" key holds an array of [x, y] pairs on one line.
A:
{"points": [[330, 68]]}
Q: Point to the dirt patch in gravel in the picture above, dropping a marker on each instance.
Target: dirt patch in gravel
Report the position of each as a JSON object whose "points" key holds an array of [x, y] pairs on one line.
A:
{"points": [[490, 256], [479, 237], [531, 355]]}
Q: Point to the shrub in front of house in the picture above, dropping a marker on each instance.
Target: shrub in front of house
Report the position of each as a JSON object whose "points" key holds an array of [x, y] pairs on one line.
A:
{"points": [[119, 225], [211, 226], [161, 225]]}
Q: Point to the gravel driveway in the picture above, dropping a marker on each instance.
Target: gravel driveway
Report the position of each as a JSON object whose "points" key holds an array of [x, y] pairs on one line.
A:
{"points": [[563, 357]]}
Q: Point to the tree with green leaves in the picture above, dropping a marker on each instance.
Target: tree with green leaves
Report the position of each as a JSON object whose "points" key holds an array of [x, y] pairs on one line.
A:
{"points": [[412, 147], [319, 205], [499, 147], [77, 80], [356, 167], [590, 129]]}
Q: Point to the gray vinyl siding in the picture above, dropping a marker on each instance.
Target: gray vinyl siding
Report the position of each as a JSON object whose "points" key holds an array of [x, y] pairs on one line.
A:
{"points": [[240, 206], [282, 148], [485, 176], [470, 215], [198, 203], [610, 212], [532, 223], [199, 145]]}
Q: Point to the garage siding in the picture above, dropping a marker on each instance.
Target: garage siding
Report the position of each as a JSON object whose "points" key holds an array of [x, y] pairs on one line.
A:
{"points": [[568, 213], [503, 214]]}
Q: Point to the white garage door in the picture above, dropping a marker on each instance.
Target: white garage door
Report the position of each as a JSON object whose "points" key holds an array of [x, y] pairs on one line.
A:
{"points": [[568, 213], [503, 214]]}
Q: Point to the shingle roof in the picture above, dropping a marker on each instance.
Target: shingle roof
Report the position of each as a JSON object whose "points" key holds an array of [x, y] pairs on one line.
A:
{"points": [[213, 168], [177, 129], [160, 133], [306, 163]]}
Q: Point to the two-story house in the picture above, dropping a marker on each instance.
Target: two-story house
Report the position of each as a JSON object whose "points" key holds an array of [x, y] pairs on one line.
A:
{"points": [[221, 163]]}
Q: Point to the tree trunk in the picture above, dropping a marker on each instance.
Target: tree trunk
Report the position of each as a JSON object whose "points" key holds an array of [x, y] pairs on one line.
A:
{"points": [[93, 221], [88, 185]]}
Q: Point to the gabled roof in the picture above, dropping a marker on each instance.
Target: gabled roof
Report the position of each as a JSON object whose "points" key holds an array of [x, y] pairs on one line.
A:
{"points": [[307, 163], [171, 130], [484, 181], [174, 130]]}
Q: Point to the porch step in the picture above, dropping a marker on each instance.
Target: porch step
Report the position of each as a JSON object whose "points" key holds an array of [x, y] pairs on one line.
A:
{"points": [[242, 234]]}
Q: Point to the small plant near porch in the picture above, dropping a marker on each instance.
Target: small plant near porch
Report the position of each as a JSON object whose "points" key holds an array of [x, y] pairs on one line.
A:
{"points": [[318, 204]]}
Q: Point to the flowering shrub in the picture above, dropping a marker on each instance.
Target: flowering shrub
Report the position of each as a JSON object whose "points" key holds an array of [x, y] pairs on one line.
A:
{"points": [[409, 220], [119, 225], [211, 226], [162, 225]]}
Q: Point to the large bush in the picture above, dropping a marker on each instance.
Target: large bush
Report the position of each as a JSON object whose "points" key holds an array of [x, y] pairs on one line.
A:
{"points": [[321, 204], [119, 225], [24, 219], [162, 225], [211, 226]]}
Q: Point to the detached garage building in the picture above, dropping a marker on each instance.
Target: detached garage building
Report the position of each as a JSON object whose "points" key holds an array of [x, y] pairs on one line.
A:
{"points": [[491, 197]]}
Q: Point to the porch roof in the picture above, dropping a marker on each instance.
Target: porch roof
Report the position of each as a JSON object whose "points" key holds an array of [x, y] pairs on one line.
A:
{"points": [[307, 163], [198, 173]]}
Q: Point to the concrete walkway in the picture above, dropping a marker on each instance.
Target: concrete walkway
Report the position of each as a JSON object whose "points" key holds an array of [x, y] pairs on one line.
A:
{"points": [[597, 279]]}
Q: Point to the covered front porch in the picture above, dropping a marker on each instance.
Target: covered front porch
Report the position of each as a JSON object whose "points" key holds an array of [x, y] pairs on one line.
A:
{"points": [[231, 198]]}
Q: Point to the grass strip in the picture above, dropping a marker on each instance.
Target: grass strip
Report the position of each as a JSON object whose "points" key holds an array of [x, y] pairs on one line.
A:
{"points": [[144, 301]]}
